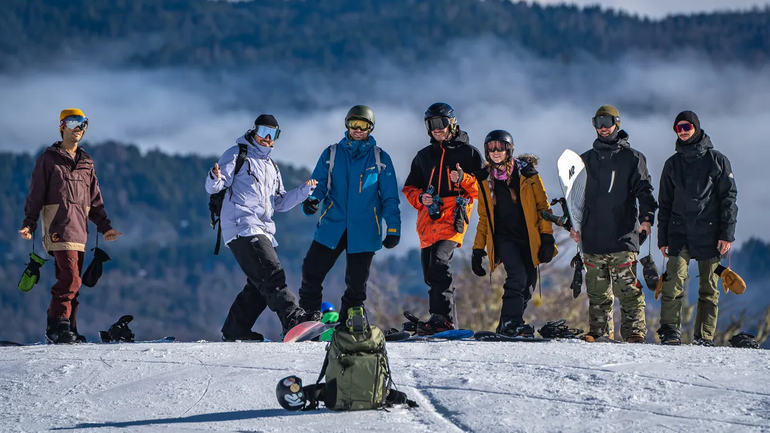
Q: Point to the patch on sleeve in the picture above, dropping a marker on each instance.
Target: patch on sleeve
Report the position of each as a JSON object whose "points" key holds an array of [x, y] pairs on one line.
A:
{"points": [[731, 176]]}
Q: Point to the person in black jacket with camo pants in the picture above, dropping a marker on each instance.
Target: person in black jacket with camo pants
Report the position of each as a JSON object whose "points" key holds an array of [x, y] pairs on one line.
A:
{"points": [[697, 218], [617, 178]]}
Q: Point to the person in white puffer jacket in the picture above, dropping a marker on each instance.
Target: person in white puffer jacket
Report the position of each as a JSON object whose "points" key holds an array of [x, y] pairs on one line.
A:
{"points": [[251, 196]]}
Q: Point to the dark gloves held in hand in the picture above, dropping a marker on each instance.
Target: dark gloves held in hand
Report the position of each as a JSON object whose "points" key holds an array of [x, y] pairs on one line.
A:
{"points": [[476, 257], [310, 205], [94, 270], [461, 214], [391, 241], [547, 248], [650, 272]]}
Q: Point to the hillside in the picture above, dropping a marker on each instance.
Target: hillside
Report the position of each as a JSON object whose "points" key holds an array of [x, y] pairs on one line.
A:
{"points": [[327, 36]]}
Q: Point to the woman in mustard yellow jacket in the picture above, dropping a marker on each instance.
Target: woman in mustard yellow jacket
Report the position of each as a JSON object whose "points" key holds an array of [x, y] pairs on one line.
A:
{"points": [[511, 230]]}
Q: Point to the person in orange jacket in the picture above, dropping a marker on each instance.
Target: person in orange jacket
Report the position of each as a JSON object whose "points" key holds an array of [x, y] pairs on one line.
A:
{"points": [[440, 187], [511, 229]]}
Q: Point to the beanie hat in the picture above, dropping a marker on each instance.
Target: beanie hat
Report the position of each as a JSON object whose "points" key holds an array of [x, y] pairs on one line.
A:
{"points": [[67, 113], [690, 117], [266, 120], [609, 110]]}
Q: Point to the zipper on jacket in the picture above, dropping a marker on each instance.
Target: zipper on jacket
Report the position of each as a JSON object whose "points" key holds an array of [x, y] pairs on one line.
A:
{"points": [[612, 181], [377, 220], [449, 180], [360, 182], [441, 164], [327, 210]]}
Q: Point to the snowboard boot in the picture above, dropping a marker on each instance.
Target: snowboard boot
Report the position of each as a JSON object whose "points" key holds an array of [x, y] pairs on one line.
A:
{"points": [[636, 339], [670, 337], [593, 338], [58, 332], [299, 316], [437, 323], [511, 329], [248, 336], [702, 342], [79, 338]]}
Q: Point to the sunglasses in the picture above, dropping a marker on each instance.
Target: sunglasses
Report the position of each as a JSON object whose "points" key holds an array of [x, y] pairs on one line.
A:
{"points": [[684, 127], [604, 121], [265, 131], [497, 147], [73, 122], [358, 125], [435, 123]]}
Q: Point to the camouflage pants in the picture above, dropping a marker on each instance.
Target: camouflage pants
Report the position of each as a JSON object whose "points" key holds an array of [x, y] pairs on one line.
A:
{"points": [[672, 292], [616, 271]]}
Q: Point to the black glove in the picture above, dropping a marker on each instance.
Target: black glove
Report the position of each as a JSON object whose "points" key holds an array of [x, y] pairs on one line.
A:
{"points": [[310, 205], [547, 248], [391, 241], [476, 257], [94, 270], [481, 175]]}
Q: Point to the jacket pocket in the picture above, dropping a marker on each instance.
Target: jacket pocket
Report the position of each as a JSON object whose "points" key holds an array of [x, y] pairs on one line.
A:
{"points": [[331, 203], [77, 188]]}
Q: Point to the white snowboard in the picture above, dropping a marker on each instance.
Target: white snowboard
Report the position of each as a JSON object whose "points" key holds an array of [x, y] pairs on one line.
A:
{"points": [[572, 178]]}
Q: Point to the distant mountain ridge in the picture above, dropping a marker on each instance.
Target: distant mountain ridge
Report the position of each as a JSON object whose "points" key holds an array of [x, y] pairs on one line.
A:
{"points": [[327, 36]]}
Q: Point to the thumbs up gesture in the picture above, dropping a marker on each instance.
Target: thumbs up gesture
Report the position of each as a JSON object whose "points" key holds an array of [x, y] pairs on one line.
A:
{"points": [[456, 176], [215, 171]]}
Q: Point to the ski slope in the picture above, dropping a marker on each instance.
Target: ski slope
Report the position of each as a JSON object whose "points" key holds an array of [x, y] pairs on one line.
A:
{"points": [[460, 386]]}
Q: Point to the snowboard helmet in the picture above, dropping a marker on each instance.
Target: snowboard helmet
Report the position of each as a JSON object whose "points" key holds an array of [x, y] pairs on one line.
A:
{"points": [[361, 112], [326, 307], [290, 394], [498, 135], [440, 115]]}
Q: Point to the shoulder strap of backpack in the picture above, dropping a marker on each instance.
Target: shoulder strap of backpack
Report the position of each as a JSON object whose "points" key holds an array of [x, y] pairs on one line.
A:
{"points": [[330, 163], [243, 151], [378, 161], [277, 175], [313, 398]]}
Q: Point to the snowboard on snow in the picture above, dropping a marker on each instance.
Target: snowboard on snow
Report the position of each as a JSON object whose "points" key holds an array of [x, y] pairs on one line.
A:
{"points": [[5, 343], [411, 327], [307, 331], [493, 336]]}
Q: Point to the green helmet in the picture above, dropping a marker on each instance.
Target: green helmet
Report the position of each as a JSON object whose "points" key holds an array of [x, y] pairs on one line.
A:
{"points": [[360, 112]]}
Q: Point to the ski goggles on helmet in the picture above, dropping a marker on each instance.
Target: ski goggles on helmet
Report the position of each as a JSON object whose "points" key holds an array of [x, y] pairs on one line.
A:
{"points": [[265, 131], [358, 124], [72, 122], [604, 121], [683, 127], [434, 123], [497, 146]]}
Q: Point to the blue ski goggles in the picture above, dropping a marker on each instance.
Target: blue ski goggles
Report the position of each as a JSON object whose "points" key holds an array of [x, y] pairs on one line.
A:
{"points": [[434, 123], [264, 131], [72, 122]]}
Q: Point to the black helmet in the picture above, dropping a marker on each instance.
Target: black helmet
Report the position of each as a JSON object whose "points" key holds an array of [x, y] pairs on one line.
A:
{"points": [[290, 394], [499, 135], [360, 112], [439, 116], [440, 109]]}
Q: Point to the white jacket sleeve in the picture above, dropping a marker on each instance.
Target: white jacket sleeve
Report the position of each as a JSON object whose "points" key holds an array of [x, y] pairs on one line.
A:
{"points": [[226, 169]]}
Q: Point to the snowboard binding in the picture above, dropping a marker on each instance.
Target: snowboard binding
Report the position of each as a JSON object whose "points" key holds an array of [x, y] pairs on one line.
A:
{"points": [[561, 221], [413, 321], [744, 340], [559, 329], [118, 331]]}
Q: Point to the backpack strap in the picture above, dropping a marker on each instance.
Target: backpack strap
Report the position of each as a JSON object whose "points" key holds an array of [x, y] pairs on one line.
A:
{"points": [[243, 152], [330, 163], [380, 165], [277, 175], [313, 399]]}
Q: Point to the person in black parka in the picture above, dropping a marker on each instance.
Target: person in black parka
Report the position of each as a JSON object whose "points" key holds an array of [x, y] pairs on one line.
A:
{"points": [[696, 220]]}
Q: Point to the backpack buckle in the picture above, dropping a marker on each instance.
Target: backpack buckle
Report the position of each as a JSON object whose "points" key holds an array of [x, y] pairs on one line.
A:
{"points": [[357, 322]]}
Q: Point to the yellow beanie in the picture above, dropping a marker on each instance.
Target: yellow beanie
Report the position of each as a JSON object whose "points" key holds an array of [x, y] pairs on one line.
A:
{"points": [[67, 113]]}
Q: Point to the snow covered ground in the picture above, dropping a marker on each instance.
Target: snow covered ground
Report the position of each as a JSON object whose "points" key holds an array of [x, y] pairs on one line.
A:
{"points": [[460, 386]]}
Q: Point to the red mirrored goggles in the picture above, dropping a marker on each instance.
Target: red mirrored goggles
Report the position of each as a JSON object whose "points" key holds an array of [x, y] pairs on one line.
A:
{"points": [[684, 127]]}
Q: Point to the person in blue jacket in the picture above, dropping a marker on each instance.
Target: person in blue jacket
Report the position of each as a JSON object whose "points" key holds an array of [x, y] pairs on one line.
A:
{"points": [[357, 189]]}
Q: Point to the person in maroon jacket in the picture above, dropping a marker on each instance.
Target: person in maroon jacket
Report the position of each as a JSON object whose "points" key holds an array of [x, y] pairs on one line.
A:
{"points": [[65, 189]]}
